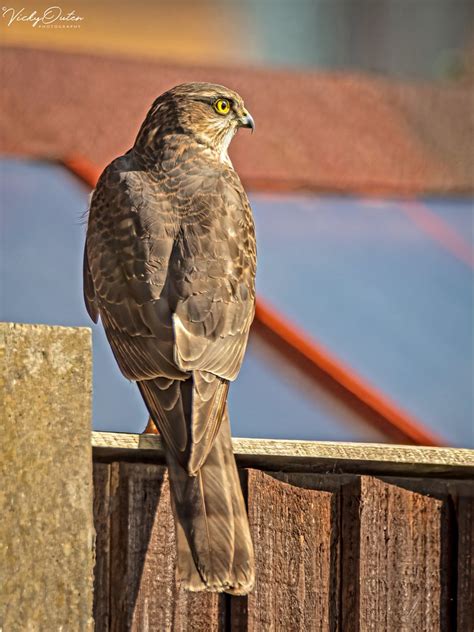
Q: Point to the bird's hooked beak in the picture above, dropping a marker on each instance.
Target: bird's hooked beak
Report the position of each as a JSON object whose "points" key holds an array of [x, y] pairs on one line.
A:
{"points": [[247, 121]]}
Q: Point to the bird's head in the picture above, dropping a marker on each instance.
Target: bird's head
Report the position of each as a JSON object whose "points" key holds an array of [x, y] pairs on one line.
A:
{"points": [[209, 113]]}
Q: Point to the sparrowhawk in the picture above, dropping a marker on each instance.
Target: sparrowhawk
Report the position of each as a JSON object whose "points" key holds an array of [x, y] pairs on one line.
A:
{"points": [[169, 266]]}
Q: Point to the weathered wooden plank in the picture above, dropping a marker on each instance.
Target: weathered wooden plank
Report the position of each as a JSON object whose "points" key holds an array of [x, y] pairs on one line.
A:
{"points": [[101, 475], [465, 568], [458, 537], [349, 550], [317, 456], [144, 594], [294, 531], [396, 559]]}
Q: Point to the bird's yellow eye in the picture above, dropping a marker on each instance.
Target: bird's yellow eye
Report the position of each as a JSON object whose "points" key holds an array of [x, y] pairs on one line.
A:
{"points": [[222, 106]]}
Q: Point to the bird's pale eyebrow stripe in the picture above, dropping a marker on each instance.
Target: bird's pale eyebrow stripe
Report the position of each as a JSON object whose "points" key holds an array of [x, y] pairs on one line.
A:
{"points": [[211, 100], [204, 99]]}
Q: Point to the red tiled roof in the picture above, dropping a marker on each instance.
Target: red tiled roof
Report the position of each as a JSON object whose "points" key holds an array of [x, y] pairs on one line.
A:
{"points": [[315, 131]]}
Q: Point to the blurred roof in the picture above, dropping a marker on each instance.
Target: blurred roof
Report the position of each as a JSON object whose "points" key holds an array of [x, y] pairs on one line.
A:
{"points": [[315, 131]]}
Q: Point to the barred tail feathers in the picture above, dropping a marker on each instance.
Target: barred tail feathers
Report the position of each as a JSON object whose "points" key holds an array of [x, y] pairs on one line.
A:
{"points": [[214, 547]]}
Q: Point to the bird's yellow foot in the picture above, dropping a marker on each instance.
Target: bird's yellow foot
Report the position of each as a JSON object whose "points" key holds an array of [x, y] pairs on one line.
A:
{"points": [[151, 427]]}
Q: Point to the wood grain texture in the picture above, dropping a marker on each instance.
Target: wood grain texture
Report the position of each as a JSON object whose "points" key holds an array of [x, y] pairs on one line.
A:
{"points": [[144, 594], [465, 566], [101, 477], [396, 559], [293, 531]]}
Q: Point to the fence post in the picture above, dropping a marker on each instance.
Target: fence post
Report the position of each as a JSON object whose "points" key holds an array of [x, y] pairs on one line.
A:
{"points": [[46, 526]]}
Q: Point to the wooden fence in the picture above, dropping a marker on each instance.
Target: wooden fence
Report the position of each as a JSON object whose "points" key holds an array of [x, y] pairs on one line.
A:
{"points": [[347, 537]]}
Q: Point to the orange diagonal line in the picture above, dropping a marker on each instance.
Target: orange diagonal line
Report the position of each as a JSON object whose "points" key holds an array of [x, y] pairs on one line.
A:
{"points": [[83, 169], [395, 421], [439, 230]]}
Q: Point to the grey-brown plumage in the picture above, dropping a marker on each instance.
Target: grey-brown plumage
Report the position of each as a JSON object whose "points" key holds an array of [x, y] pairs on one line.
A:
{"points": [[169, 266]]}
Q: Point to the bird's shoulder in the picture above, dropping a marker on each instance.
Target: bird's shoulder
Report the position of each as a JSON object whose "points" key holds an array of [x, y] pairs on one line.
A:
{"points": [[125, 185], [183, 178]]}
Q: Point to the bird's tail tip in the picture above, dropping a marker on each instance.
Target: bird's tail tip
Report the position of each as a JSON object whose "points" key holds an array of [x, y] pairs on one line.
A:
{"points": [[239, 581]]}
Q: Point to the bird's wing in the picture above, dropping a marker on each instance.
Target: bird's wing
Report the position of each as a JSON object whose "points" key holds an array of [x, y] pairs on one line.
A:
{"points": [[212, 279], [89, 291], [173, 274], [130, 237]]}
